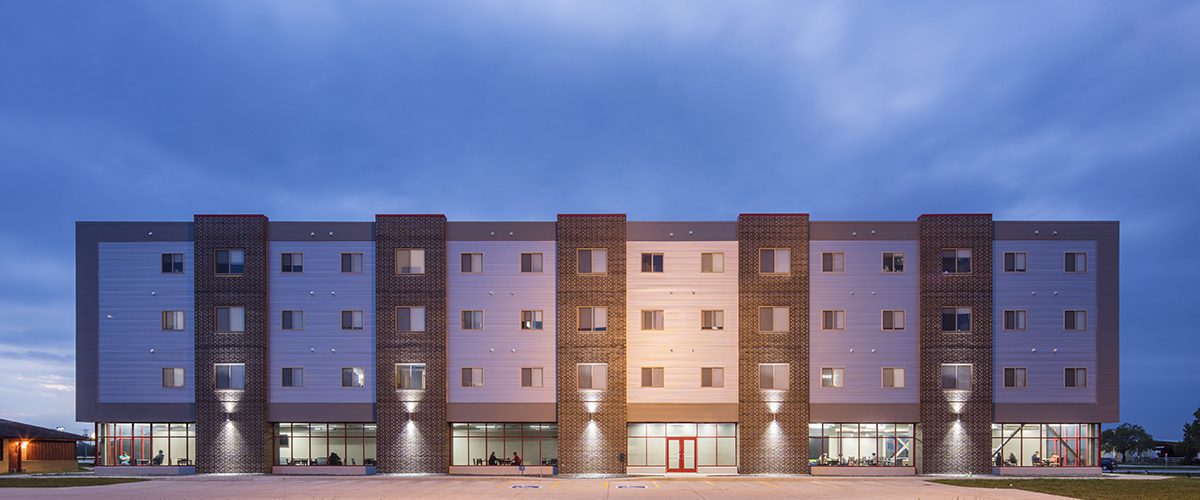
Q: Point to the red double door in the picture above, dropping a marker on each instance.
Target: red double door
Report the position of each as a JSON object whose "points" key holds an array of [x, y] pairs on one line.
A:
{"points": [[681, 454]]}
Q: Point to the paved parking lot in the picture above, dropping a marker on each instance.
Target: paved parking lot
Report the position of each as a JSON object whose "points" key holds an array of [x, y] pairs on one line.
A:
{"points": [[446, 487]]}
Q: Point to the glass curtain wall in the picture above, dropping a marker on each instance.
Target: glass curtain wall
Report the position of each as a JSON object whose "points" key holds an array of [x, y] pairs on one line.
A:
{"points": [[475, 443], [149, 444], [1045, 445], [862, 445], [333, 443], [716, 444]]}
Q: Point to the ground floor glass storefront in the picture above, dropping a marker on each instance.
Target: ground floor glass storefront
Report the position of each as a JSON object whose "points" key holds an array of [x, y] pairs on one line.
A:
{"points": [[1045, 445], [324, 444], [495, 443], [149, 444], [682, 446], [863, 445]]}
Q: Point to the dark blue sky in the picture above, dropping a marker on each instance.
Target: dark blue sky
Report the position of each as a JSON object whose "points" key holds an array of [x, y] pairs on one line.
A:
{"points": [[666, 110]]}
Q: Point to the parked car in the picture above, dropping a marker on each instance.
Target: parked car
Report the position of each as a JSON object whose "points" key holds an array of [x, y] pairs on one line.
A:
{"points": [[1108, 464]]}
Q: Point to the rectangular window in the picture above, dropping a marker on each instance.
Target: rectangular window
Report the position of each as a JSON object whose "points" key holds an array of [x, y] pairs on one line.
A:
{"points": [[712, 320], [531, 320], [833, 377], [956, 377], [172, 263], [352, 262], [1014, 319], [773, 376], [1075, 377], [712, 262], [593, 319], [1014, 378], [472, 319], [410, 319], [293, 320], [472, 377], [593, 376], [230, 376], [410, 376], [1014, 262], [893, 378], [172, 377], [291, 263], [774, 261], [833, 319], [956, 319], [354, 377], [472, 262], [652, 319], [956, 261], [1075, 262], [833, 262], [172, 320], [352, 320], [893, 320], [531, 262], [591, 261], [1075, 320], [773, 320], [230, 261], [652, 377], [410, 261], [231, 319], [652, 262], [531, 377], [293, 377], [893, 262], [712, 377]]}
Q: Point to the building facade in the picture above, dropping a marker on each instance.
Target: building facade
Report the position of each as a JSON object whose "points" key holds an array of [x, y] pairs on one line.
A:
{"points": [[773, 344]]}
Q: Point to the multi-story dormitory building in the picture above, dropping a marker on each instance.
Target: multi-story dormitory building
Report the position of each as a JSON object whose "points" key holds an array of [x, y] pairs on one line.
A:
{"points": [[597, 345]]}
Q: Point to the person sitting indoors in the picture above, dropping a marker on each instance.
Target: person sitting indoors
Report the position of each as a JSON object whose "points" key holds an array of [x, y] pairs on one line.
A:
{"points": [[123, 458], [492, 460], [334, 459], [516, 459], [158, 459], [1036, 458]]}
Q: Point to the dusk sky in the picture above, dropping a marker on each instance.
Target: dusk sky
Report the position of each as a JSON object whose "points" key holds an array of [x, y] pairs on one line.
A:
{"points": [[662, 110]]}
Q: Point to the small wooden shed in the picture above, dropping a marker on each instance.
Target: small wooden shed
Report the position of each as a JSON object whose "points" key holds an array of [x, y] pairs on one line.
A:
{"points": [[29, 448]]}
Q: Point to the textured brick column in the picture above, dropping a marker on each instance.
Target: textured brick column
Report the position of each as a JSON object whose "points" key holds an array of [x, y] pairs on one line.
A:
{"points": [[232, 431], [956, 425], [412, 433], [591, 424], [773, 425]]}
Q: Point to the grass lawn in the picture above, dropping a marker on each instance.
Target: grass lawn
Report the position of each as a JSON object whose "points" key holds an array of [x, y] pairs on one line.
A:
{"points": [[63, 482], [1176, 487]]}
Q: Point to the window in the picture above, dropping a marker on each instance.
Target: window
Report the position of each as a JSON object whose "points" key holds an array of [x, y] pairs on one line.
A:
{"points": [[410, 319], [1075, 320], [292, 263], [172, 263], [410, 376], [352, 262], [1075, 262], [652, 262], [473, 443], [893, 262], [354, 377], [773, 319], [593, 319], [862, 445], [773, 376], [833, 377], [531, 377], [652, 319], [352, 320], [172, 320], [893, 378], [715, 444], [712, 320], [172, 377], [472, 319], [956, 319], [142, 444], [230, 376], [593, 376], [712, 377], [1014, 378], [1045, 445], [313, 443], [531, 262], [893, 320], [833, 262], [956, 377], [231, 319], [591, 261], [652, 377], [472, 377], [833, 320], [410, 261], [712, 262], [531, 320], [472, 262], [1014, 262], [956, 261], [230, 261], [293, 320], [1014, 319], [774, 261], [1075, 377], [293, 377]]}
